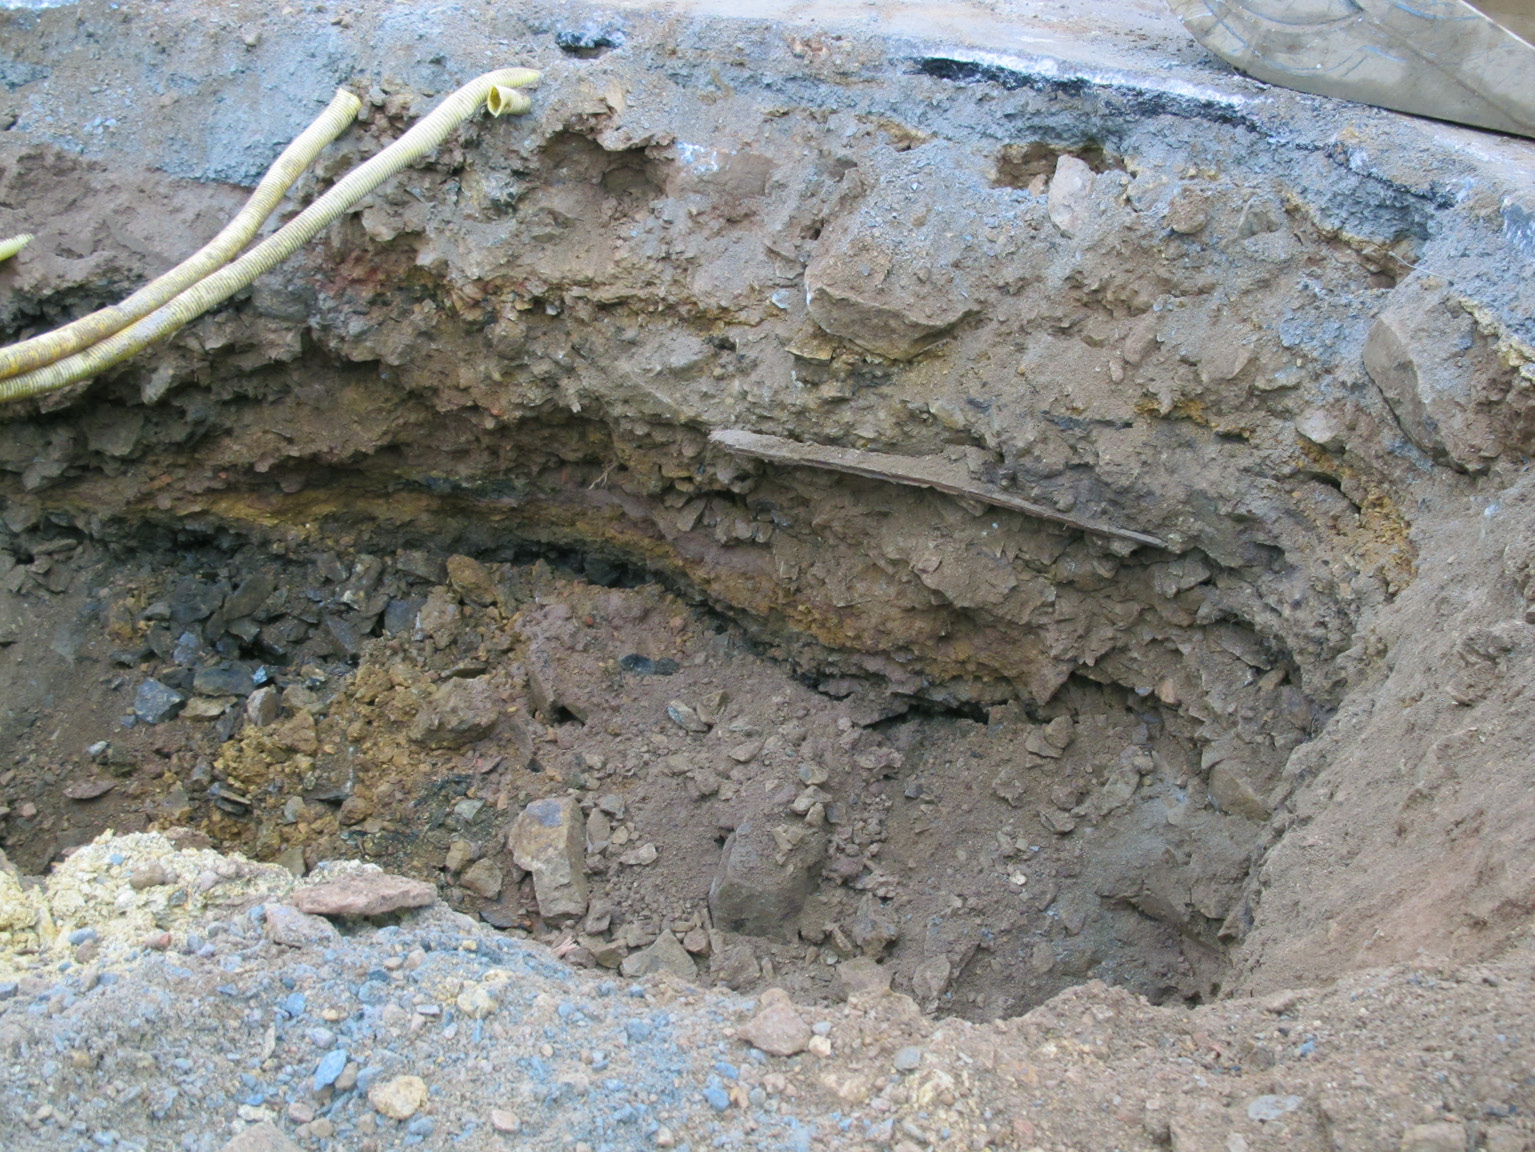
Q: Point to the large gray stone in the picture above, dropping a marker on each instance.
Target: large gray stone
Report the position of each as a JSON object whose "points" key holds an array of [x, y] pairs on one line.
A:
{"points": [[664, 954], [250, 595], [224, 680], [548, 840], [155, 702], [763, 879]]}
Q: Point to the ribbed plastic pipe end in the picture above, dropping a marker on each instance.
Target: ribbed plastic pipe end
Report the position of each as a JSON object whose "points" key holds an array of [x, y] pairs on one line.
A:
{"points": [[503, 101]]}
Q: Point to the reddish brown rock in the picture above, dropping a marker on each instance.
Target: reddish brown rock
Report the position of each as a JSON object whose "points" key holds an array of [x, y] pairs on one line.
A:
{"points": [[90, 788], [777, 1028], [364, 894]]}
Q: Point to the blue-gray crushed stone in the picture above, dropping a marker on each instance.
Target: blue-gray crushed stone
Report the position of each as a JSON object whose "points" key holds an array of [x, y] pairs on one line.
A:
{"points": [[240, 1029]]}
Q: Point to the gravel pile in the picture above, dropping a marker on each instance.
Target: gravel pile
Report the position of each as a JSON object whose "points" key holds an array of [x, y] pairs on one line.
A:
{"points": [[179, 991], [156, 997]]}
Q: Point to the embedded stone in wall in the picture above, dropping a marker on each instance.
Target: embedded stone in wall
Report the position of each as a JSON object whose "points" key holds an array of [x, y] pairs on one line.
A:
{"points": [[1231, 787], [860, 288], [459, 713], [1443, 383], [1071, 190]]}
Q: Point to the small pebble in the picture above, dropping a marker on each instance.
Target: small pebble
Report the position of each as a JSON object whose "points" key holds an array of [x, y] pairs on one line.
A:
{"points": [[329, 1068], [399, 1098]]}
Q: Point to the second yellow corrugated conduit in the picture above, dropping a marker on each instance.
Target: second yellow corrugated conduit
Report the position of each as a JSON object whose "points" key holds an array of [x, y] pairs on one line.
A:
{"points": [[84, 332], [496, 90]]}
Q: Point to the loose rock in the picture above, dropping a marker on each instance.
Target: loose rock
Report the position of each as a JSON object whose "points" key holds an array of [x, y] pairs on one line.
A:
{"points": [[686, 717], [639, 857], [459, 713], [263, 706], [1444, 1136], [763, 880], [91, 788], [663, 955], [484, 878], [262, 1137], [399, 1098], [931, 979], [155, 702], [364, 894], [298, 734], [548, 839], [861, 974], [285, 924], [1266, 1108], [777, 1028], [471, 580], [223, 680], [150, 875]]}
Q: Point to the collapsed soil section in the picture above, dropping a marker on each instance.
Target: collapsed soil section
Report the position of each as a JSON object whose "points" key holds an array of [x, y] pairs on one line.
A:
{"points": [[794, 726]]}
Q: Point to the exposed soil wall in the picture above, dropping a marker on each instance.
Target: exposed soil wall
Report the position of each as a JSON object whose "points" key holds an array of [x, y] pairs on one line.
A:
{"points": [[1289, 340]]}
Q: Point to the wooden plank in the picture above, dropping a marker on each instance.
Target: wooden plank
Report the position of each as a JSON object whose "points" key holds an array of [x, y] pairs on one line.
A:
{"points": [[917, 471]]}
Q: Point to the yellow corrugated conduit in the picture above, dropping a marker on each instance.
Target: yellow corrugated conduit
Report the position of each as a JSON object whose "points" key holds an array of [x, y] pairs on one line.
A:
{"points": [[496, 90], [14, 244], [84, 332]]}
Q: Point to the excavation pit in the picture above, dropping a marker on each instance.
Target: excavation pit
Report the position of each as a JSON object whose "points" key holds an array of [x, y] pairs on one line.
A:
{"points": [[779, 815], [911, 515]]}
